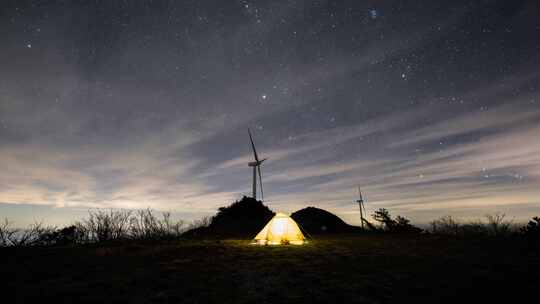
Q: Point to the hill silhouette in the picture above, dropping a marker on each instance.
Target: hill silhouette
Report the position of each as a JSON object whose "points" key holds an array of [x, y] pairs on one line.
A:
{"points": [[243, 218], [246, 217], [316, 221]]}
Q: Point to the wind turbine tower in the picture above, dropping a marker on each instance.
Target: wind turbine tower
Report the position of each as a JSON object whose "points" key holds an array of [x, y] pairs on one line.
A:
{"points": [[360, 202], [256, 168]]}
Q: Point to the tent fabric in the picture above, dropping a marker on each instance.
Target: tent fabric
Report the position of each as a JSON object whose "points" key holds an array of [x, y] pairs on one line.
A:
{"points": [[281, 229]]}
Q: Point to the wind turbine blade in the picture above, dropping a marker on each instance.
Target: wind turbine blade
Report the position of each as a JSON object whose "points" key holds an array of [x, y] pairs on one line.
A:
{"points": [[253, 146], [260, 183], [362, 199], [364, 206], [360, 193]]}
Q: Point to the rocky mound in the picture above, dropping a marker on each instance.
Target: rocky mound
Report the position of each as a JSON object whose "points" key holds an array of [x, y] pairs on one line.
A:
{"points": [[316, 221], [243, 218]]}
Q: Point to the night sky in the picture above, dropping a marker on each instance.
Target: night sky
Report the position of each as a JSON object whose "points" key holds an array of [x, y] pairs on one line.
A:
{"points": [[433, 107]]}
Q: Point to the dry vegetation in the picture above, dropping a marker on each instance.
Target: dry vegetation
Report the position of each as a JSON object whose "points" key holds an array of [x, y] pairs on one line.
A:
{"points": [[494, 225], [98, 226], [119, 256], [146, 224]]}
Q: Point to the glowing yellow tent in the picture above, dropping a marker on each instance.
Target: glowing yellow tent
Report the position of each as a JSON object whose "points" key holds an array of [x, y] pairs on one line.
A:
{"points": [[281, 229]]}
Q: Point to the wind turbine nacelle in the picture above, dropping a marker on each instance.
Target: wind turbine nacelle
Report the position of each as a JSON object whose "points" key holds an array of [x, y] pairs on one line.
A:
{"points": [[256, 163]]}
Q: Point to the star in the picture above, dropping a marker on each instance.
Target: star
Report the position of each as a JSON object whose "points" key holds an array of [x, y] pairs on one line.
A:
{"points": [[443, 96]]}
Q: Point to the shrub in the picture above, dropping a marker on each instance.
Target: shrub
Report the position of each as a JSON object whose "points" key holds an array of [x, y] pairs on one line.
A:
{"points": [[497, 226], [35, 235], [403, 225], [473, 229], [99, 226], [202, 223], [398, 225], [532, 230], [121, 224], [144, 224], [445, 225], [382, 216], [169, 228], [64, 236], [104, 225], [7, 233]]}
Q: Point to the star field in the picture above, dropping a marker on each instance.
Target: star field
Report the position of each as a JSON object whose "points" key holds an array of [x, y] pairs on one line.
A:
{"points": [[431, 106]]}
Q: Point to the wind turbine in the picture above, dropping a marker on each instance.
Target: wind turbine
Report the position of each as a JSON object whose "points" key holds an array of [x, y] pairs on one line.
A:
{"points": [[362, 208], [256, 167]]}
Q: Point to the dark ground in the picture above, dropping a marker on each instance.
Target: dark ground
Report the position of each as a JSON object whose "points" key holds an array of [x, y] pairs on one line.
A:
{"points": [[340, 268]]}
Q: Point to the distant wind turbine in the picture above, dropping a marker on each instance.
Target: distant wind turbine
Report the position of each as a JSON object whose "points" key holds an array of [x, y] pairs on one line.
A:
{"points": [[360, 202], [256, 167]]}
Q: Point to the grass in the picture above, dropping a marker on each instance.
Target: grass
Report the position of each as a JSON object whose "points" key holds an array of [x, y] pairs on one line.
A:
{"points": [[343, 268]]}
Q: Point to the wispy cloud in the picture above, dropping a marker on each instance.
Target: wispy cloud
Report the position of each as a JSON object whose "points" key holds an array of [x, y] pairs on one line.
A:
{"points": [[159, 120]]}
